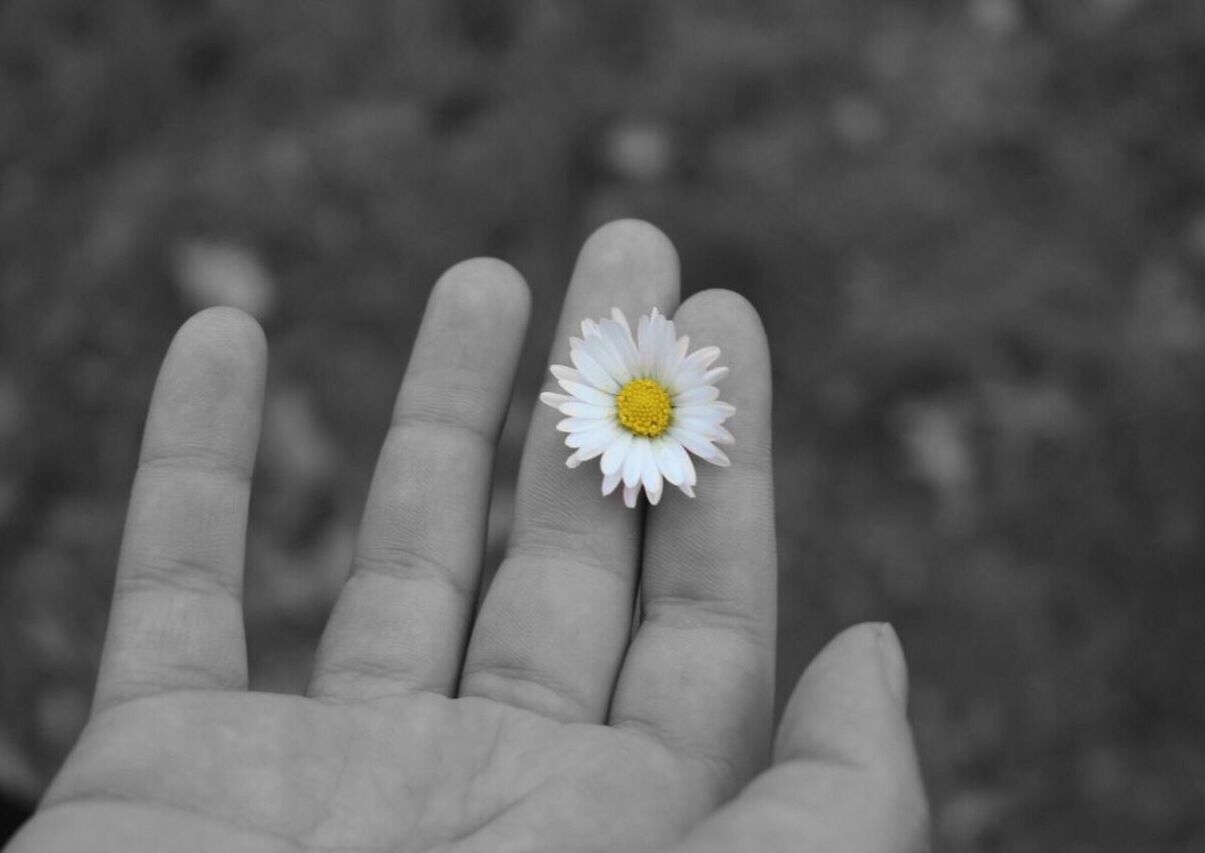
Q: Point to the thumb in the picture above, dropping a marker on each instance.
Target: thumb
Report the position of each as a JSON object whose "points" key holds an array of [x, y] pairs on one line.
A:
{"points": [[845, 775]]}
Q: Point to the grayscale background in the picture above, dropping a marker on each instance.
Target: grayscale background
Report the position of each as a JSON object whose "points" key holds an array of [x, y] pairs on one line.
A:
{"points": [[975, 230]]}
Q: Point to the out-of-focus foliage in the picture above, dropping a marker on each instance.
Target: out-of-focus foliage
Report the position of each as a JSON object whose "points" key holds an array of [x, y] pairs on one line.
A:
{"points": [[976, 231]]}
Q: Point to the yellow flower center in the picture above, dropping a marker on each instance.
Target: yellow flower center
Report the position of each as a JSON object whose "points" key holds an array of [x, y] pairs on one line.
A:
{"points": [[644, 407]]}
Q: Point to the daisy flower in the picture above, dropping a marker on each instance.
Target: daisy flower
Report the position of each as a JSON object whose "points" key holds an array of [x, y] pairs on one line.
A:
{"points": [[640, 403]]}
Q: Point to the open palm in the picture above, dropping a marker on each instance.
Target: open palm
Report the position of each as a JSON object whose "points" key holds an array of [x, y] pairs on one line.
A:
{"points": [[553, 717]]}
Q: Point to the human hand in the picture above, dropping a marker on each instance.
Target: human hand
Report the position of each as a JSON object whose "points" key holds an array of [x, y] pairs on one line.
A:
{"points": [[539, 722]]}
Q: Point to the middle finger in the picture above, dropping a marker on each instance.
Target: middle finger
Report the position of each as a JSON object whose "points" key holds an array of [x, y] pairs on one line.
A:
{"points": [[554, 626]]}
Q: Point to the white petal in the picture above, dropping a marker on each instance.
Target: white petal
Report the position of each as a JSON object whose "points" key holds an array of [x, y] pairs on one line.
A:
{"points": [[715, 375], [667, 461], [593, 451], [702, 358], [614, 456], [687, 490], [666, 353], [610, 481], [659, 327], [710, 412], [689, 477], [633, 465], [721, 435], [694, 370], [654, 497], [629, 496], [589, 327], [548, 398], [587, 394], [696, 395], [574, 460], [565, 374], [620, 340], [685, 379], [580, 424], [598, 443], [644, 345], [610, 352], [720, 458], [595, 443], [619, 318], [594, 372], [603, 434], [607, 359], [680, 350], [700, 426], [650, 474], [575, 408], [693, 442]]}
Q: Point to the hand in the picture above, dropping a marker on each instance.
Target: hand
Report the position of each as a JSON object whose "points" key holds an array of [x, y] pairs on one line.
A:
{"points": [[541, 722]]}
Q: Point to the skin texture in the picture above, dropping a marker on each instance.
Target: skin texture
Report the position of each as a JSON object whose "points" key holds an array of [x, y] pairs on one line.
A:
{"points": [[540, 720]]}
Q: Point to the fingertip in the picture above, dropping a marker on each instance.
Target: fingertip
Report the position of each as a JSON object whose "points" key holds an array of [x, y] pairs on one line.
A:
{"points": [[850, 700], [485, 287], [464, 357], [223, 332], [723, 301], [208, 397], [729, 320], [845, 730], [631, 242], [628, 265], [895, 665]]}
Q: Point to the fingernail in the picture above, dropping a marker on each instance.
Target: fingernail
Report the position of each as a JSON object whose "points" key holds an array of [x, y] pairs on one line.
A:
{"points": [[891, 658]]}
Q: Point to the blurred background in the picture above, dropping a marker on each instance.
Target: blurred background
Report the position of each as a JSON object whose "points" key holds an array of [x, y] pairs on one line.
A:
{"points": [[975, 230]]}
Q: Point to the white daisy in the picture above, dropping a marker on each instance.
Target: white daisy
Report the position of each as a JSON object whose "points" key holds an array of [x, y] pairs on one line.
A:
{"points": [[641, 403]]}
